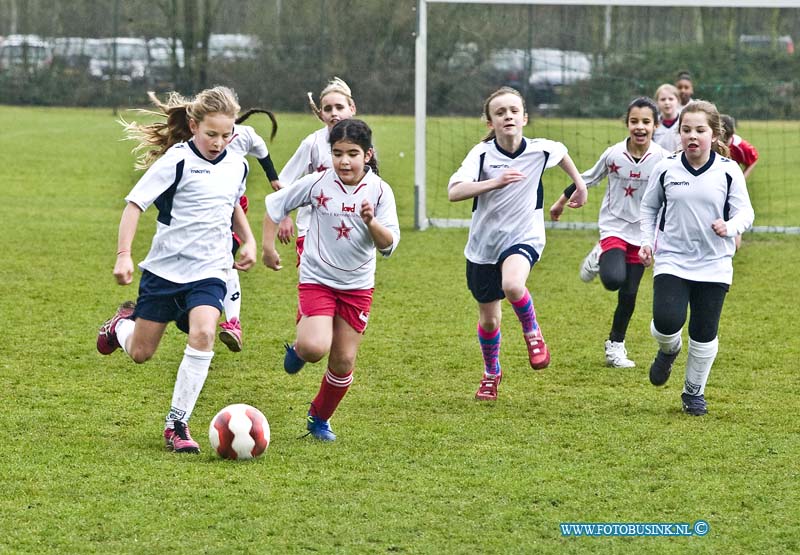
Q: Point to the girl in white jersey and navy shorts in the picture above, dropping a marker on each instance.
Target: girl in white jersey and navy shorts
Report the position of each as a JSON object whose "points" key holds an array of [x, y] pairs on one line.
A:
{"points": [[353, 214], [503, 177], [195, 184], [627, 165], [695, 205], [314, 153]]}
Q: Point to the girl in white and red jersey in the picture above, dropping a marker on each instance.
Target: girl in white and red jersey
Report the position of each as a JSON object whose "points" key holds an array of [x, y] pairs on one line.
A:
{"points": [[627, 165], [314, 153], [195, 184], [353, 213], [245, 142], [697, 201], [666, 133], [503, 177]]}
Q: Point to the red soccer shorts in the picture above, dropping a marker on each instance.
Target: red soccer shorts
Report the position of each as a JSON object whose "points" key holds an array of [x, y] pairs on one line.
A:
{"points": [[631, 251], [321, 300]]}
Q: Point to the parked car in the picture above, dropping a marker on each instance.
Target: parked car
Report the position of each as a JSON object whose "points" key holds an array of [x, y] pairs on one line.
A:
{"points": [[553, 70], [131, 59], [767, 43], [232, 47], [75, 53], [27, 53], [160, 57]]}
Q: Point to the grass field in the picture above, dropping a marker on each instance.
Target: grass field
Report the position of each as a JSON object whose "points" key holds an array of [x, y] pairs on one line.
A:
{"points": [[419, 466]]}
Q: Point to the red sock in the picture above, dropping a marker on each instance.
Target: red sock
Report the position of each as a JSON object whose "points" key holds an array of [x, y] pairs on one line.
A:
{"points": [[331, 392]]}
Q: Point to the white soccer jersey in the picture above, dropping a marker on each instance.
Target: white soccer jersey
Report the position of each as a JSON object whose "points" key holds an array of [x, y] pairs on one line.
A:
{"points": [[627, 180], [338, 250], [668, 137], [246, 142], [313, 155], [195, 199], [683, 202], [513, 214]]}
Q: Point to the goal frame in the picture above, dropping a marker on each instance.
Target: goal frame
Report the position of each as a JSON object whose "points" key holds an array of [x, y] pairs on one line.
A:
{"points": [[421, 220]]}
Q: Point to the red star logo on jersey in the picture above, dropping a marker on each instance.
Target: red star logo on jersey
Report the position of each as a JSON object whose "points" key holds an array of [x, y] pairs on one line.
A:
{"points": [[322, 200], [629, 191], [343, 231], [613, 168]]}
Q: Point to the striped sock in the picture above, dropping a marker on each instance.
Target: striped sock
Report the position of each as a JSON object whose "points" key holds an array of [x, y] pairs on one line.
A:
{"points": [[331, 391], [523, 308], [490, 348]]}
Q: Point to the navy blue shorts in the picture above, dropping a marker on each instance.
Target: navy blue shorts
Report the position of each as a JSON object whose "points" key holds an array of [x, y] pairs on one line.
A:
{"points": [[485, 281], [161, 300]]}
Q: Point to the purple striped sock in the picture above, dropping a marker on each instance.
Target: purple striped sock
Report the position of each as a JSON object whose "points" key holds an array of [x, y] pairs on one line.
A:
{"points": [[523, 308], [490, 348]]}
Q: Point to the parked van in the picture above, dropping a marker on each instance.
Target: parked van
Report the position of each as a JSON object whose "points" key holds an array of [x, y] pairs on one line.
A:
{"points": [[767, 43], [26, 53], [131, 59]]}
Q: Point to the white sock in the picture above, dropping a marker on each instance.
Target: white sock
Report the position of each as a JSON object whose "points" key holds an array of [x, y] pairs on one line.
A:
{"points": [[669, 344], [191, 376], [124, 331], [698, 365], [233, 298]]}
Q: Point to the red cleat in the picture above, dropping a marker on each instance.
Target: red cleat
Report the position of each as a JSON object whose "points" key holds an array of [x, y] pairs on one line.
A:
{"points": [[538, 354], [487, 391], [106, 337]]}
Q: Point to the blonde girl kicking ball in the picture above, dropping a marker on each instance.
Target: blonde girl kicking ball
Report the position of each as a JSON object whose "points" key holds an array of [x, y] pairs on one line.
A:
{"points": [[697, 203], [353, 215], [195, 185], [627, 165], [503, 176]]}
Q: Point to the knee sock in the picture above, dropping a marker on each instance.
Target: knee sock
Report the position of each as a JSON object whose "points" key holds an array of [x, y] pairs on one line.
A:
{"points": [[331, 391], [192, 375], [524, 310], [669, 344], [698, 365], [123, 331], [490, 349], [233, 298], [622, 317]]}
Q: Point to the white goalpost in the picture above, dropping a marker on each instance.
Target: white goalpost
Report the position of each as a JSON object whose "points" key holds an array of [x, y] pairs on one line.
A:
{"points": [[422, 121]]}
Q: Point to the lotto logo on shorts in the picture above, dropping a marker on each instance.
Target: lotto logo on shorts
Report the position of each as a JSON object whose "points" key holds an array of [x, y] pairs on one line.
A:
{"points": [[363, 317]]}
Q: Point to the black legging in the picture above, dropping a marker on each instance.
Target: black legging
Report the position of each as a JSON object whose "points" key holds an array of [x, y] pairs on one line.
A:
{"points": [[673, 295], [618, 275]]}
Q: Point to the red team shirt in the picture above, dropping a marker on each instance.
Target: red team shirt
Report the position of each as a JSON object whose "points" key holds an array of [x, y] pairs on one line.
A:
{"points": [[742, 151]]}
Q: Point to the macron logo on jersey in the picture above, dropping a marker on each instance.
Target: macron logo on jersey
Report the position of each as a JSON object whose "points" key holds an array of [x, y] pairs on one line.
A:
{"points": [[679, 183], [498, 166], [200, 171]]}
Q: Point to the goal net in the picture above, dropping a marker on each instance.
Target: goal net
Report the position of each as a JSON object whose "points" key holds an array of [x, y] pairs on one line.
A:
{"points": [[579, 63]]}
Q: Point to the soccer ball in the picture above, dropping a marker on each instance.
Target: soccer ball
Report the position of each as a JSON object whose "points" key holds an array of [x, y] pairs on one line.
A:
{"points": [[239, 432]]}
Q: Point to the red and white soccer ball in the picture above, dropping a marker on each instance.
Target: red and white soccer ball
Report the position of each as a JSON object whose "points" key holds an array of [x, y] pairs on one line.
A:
{"points": [[239, 432]]}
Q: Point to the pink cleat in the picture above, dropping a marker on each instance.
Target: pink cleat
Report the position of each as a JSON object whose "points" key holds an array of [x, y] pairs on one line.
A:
{"points": [[231, 334], [106, 337], [538, 354], [487, 391], [179, 439]]}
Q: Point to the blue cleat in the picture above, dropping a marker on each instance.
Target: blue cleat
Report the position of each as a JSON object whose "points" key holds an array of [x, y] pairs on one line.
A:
{"points": [[694, 405], [662, 367], [319, 429], [291, 362]]}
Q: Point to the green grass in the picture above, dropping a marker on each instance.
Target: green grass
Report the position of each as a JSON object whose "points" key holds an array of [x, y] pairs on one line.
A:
{"points": [[419, 466]]}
